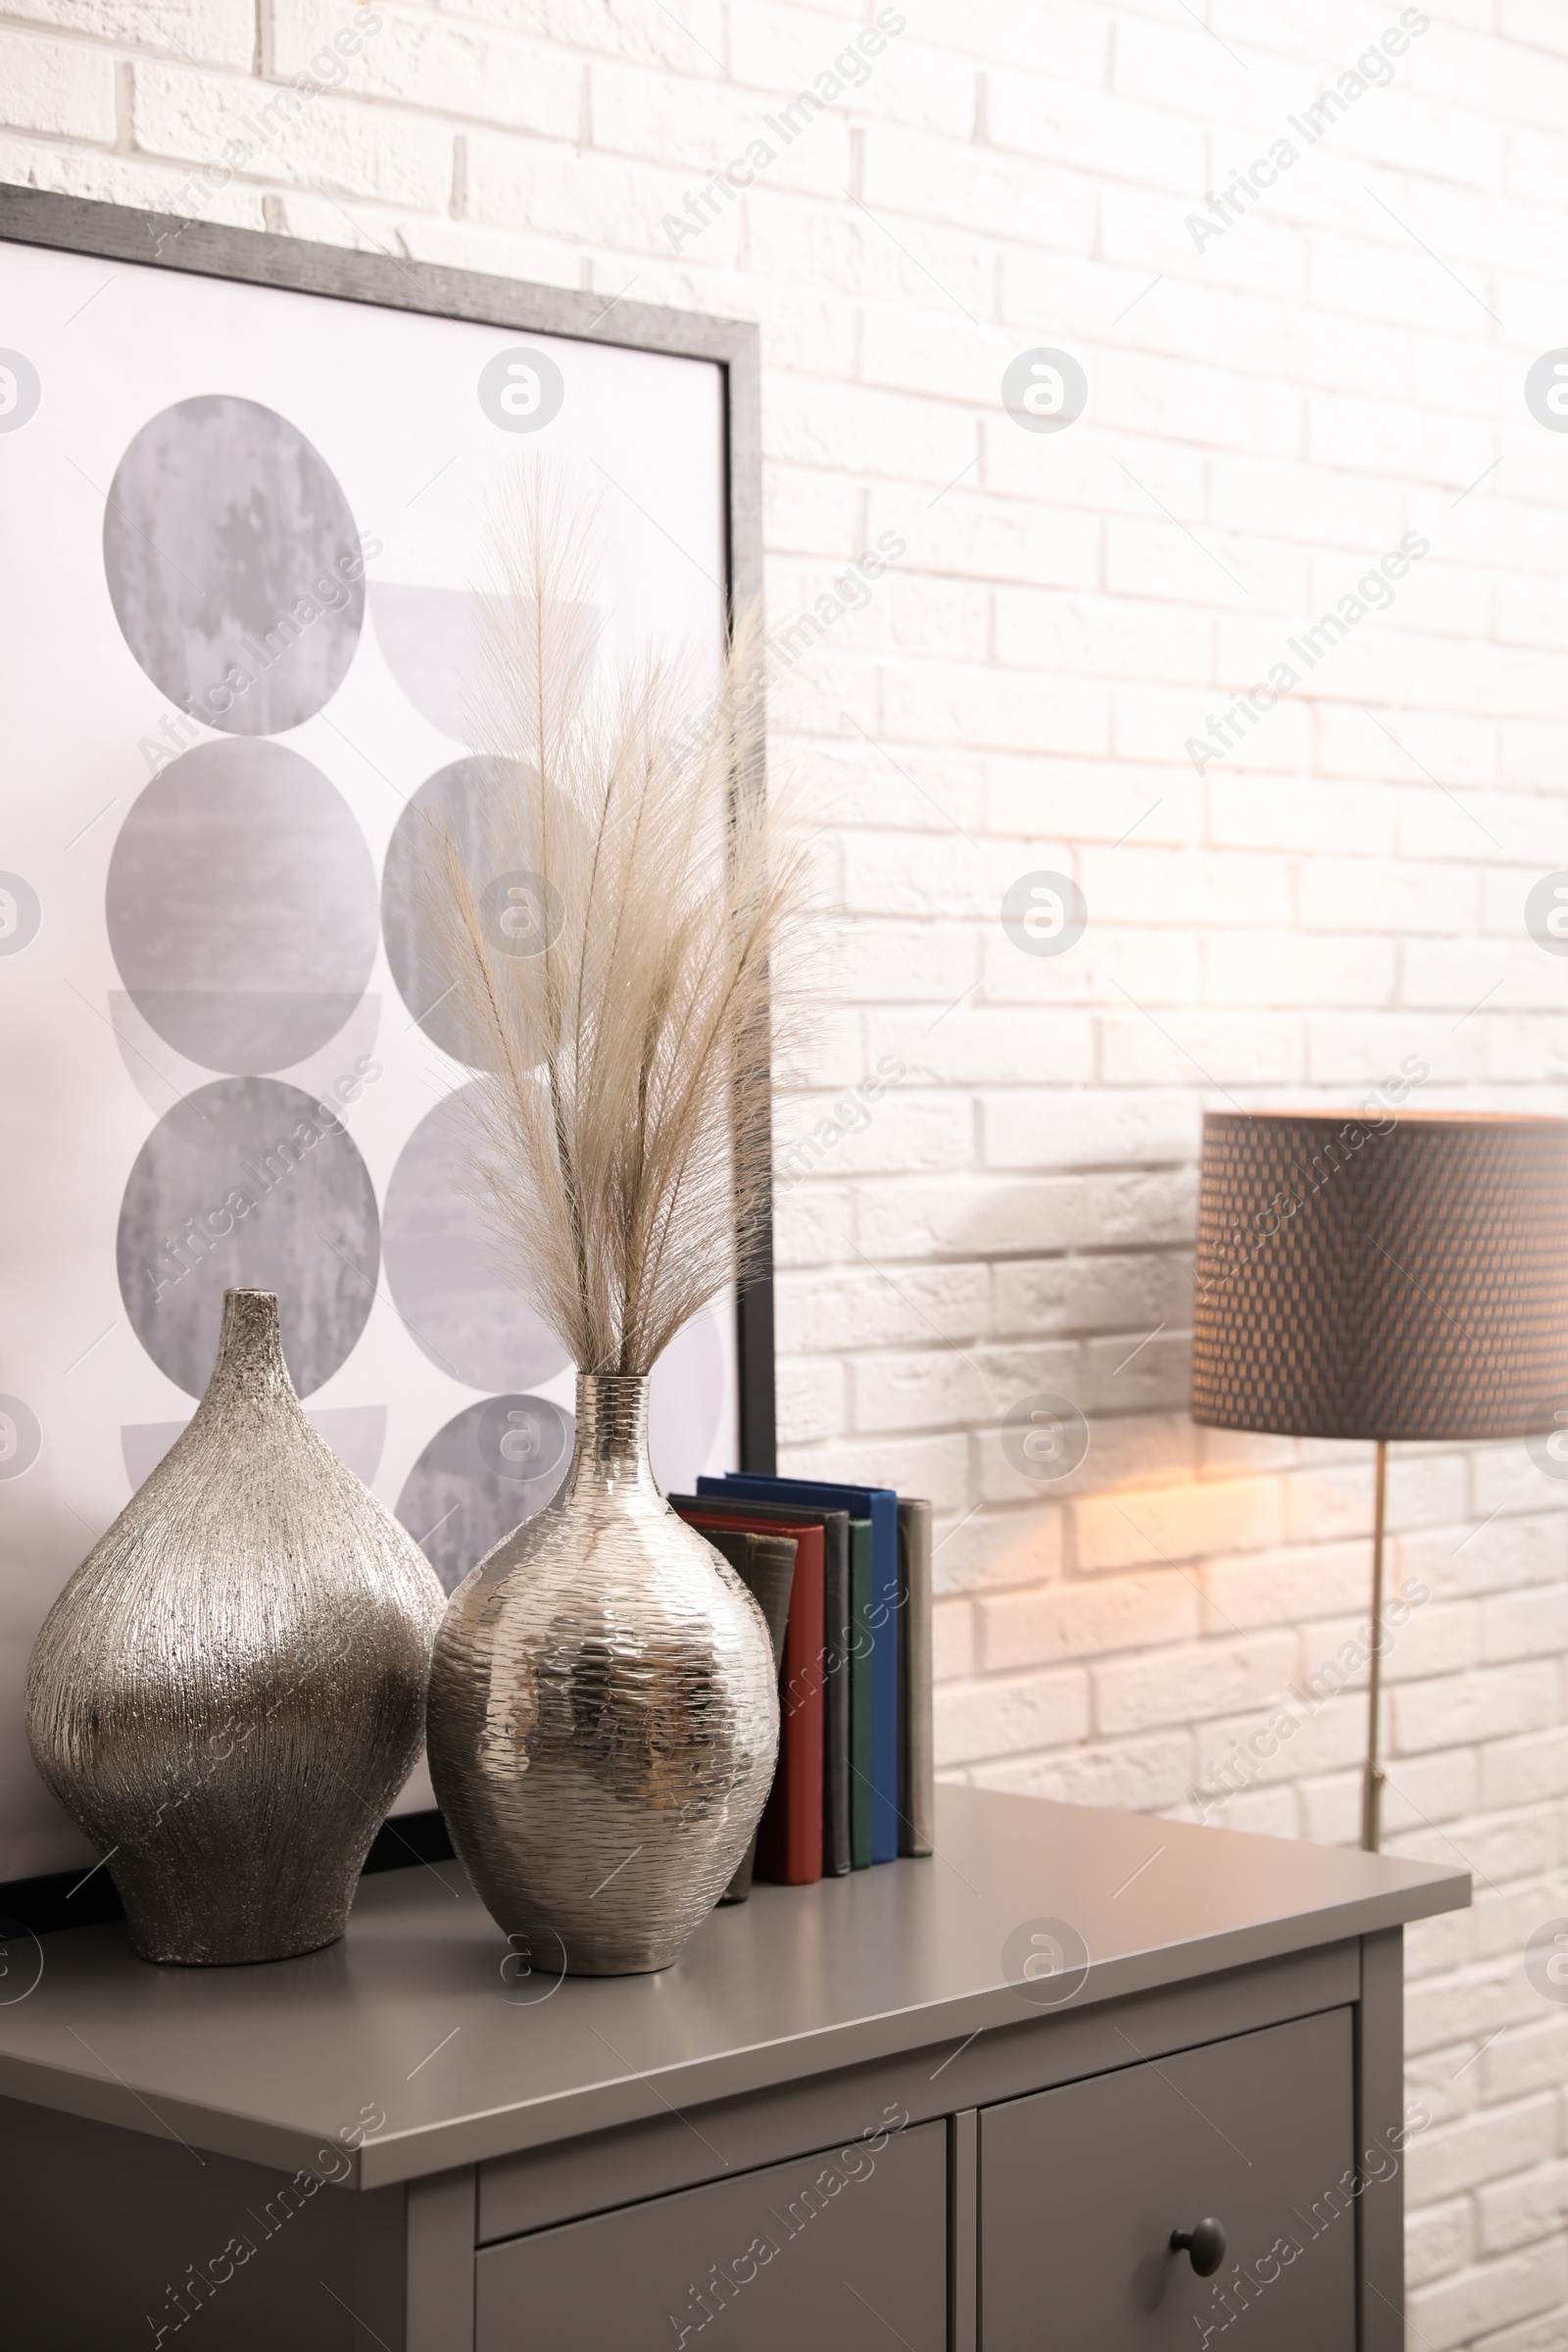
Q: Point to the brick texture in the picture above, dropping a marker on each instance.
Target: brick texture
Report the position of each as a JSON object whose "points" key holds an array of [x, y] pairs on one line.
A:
{"points": [[1277, 393]]}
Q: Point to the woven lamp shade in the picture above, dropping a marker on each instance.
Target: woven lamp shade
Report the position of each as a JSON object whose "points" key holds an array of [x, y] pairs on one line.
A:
{"points": [[1404, 1280]]}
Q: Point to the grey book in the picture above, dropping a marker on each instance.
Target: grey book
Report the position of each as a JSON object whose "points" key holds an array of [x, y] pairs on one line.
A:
{"points": [[837, 1634], [916, 1763]]}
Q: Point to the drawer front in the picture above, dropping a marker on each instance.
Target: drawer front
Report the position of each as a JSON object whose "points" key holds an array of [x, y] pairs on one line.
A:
{"points": [[813, 2252], [1081, 2188]]}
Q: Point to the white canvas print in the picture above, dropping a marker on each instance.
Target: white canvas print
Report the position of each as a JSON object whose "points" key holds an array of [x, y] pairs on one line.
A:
{"points": [[242, 532]]}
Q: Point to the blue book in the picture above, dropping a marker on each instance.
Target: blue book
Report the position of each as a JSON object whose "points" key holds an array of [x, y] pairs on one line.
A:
{"points": [[879, 1504]]}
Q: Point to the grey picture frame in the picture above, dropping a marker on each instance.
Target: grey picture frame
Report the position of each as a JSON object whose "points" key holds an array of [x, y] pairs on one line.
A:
{"points": [[202, 248]]}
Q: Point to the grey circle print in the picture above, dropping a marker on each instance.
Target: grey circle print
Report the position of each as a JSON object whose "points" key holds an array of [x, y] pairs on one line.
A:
{"points": [[241, 906], [448, 1280], [463, 1493], [521, 389], [248, 1182], [19, 913], [458, 801], [234, 564], [20, 391]]}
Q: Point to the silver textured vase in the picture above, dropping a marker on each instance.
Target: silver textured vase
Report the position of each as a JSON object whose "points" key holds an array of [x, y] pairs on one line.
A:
{"points": [[603, 1715], [229, 1692]]}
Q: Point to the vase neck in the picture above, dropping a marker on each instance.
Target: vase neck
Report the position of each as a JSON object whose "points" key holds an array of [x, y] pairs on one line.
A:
{"points": [[250, 1351], [611, 1441]]}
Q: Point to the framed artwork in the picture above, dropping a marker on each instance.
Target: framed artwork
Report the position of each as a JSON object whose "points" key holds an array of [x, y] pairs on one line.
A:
{"points": [[247, 488]]}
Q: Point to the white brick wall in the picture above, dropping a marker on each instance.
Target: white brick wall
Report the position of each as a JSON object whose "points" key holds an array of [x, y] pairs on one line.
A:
{"points": [[1267, 418]]}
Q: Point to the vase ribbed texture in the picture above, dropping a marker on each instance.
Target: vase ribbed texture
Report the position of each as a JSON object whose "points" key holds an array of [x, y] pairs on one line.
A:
{"points": [[229, 1692], [603, 1714]]}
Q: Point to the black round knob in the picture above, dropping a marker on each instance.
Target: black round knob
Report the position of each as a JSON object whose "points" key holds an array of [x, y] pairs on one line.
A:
{"points": [[1205, 2245]]}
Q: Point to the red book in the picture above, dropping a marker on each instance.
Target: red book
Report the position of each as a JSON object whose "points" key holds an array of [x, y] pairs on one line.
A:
{"points": [[789, 1840]]}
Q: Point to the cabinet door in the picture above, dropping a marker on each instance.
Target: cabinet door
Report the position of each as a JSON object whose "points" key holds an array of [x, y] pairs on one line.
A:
{"points": [[814, 2253], [1080, 2189]]}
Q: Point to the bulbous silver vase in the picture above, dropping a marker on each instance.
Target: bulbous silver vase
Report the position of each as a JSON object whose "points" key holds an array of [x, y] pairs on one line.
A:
{"points": [[229, 1692], [602, 1717]]}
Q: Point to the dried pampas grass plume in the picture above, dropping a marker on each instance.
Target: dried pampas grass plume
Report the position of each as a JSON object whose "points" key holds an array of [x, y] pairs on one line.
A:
{"points": [[623, 956]]}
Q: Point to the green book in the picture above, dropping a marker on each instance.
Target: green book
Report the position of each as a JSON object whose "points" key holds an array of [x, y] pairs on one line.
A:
{"points": [[861, 1693]]}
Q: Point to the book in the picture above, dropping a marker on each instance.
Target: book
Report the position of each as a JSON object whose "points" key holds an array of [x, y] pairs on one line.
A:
{"points": [[837, 1780], [837, 1777], [917, 1795], [879, 1504], [862, 1645], [789, 1837], [766, 1566]]}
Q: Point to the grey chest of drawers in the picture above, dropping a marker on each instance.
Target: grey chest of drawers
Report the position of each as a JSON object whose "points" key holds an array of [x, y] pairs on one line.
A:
{"points": [[958, 2103]]}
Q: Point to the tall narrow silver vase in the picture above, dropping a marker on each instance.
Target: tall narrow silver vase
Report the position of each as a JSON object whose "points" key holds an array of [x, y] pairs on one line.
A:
{"points": [[603, 1714], [229, 1692]]}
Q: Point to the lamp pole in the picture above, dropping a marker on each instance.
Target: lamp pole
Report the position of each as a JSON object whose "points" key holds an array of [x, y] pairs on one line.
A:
{"points": [[1372, 1783]]}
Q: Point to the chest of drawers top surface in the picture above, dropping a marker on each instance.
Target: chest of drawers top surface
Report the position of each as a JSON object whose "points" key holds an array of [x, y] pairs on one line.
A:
{"points": [[419, 2015]]}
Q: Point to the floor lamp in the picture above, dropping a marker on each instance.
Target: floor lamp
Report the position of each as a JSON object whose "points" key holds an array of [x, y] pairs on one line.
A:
{"points": [[1398, 1277]]}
